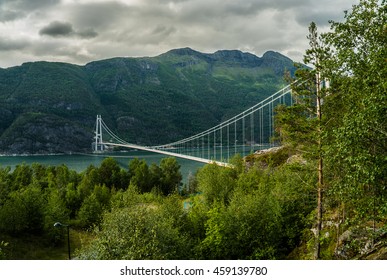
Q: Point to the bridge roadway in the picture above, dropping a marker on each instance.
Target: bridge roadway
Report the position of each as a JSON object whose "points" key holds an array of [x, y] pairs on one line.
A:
{"points": [[148, 149]]}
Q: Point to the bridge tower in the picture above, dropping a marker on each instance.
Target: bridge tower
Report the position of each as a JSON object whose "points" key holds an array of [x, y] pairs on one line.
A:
{"points": [[98, 145]]}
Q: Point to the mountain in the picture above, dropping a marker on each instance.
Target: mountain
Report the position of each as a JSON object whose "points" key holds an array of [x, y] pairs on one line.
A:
{"points": [[50, 107]]}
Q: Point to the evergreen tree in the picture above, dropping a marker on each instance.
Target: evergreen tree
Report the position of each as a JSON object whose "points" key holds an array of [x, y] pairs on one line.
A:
{"points": [[302, 126]]}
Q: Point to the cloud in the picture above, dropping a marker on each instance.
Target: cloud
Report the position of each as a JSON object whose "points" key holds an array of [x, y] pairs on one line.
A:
{"points": [[11, 10], [82, 30], [7, 44], [65, 29], [58, 50], [321, 12], [9, 15], [29, 5], [109, 15], [87, 33], [57, 29]]}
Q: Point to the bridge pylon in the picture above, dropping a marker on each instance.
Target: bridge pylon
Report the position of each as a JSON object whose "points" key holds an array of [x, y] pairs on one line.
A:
{"points": [[98, 145]]}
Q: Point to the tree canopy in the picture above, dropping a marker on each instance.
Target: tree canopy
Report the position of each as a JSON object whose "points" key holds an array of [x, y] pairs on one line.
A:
{"points": [[322, 195]]}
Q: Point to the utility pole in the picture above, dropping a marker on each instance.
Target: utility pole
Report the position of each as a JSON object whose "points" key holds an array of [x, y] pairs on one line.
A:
{"points": [[58, 224]]}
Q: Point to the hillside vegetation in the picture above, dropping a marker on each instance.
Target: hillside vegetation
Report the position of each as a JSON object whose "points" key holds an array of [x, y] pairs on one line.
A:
{"points": [[322, 195], [51, 107]]}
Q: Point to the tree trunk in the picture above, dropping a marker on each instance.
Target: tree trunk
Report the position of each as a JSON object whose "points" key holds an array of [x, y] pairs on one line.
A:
{"points": [[319, 207], [320, 182]]}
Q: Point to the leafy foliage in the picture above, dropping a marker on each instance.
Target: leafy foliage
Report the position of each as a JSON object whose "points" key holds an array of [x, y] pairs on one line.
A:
{"points": [[262, 217], [358, 147], [145, 229], [350, 133], [34, 197]]}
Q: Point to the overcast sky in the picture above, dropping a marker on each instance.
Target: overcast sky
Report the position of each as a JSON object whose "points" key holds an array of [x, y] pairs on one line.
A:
{"points": [[79, 31]]}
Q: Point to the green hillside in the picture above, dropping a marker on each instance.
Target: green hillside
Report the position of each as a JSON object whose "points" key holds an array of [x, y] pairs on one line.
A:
{"points": [[50, 107]]}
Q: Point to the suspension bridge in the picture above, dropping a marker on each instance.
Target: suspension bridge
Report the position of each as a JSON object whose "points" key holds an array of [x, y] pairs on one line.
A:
{"points": [[243, 134]]}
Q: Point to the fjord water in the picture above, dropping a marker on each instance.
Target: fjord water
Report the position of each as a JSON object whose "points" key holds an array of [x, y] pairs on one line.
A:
{"points": [[79, 162]]}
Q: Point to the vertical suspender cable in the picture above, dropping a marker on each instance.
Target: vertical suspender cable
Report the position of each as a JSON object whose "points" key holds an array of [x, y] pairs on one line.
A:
{"points": [[228, 142], [270, 120], [215, 145], [221, 144], [252, 132], [208, 140], [260, 127], [235, 136], [203, 147]]}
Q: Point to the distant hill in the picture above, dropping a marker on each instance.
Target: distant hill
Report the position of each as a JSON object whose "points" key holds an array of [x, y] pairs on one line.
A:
{"points": [[49, 107]]}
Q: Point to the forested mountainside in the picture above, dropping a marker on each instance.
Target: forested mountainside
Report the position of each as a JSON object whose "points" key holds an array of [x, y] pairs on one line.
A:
{"points": [[50, 107]]}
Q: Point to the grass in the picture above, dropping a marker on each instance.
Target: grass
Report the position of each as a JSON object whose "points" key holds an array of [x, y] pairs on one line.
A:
{"points": [[36, 247]]}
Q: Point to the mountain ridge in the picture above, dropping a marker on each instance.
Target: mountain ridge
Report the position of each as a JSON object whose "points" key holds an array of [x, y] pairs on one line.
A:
{"points": [[50, 107]]}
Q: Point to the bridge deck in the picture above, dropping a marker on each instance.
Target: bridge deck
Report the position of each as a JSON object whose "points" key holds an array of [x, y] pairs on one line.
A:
{"points": [[133, 146]]}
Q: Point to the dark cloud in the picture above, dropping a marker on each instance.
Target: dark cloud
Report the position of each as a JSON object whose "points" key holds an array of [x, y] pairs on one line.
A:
{"points": [[88, 33], [163, 30], [65, 29], [57, 29]]}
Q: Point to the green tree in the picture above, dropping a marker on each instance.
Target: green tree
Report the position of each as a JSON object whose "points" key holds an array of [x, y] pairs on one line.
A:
{"points": [[343, 124], [90, 212], [170, 175], [90, 178], [140, 175], [110, 173], [358, 149], [292, 186], [141, 229], [5, 184], [264, 218], [303, 125], [103, 195], [72, 200], [217, 238], [39, 175], [23, 211], [64, 176], [216, 183], [155, 174], [21, 176], [55, 211], [315, 55]]}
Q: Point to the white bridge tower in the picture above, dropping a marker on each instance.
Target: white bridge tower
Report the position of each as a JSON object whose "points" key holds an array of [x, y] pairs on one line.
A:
{"points": [[98, 145]]}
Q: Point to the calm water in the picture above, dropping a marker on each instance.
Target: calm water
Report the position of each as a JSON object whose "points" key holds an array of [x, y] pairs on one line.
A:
{"points": [[80, 162]]}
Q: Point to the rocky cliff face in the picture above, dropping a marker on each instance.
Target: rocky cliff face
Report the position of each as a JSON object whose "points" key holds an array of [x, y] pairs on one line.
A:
{"points": [[51, 107], [46, 134]]}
